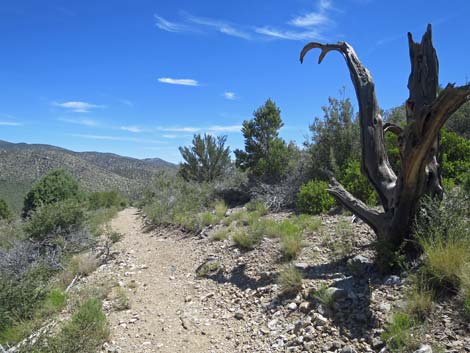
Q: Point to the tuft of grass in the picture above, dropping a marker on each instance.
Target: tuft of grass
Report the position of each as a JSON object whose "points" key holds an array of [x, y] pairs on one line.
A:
{"points": [[246, 239], [208, 268], [120, 299], [309, 223], [208, 218], [399, 334], [114, 237], [54, 302], [257, 206], [323, 295], [220, 209], [290, 280], [83, 264], [291, 245], [221, 234], [98, 219], [419, 304]]}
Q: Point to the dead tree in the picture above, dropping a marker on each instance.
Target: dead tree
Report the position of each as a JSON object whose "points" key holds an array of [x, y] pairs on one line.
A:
{"points": [[426, 113]]}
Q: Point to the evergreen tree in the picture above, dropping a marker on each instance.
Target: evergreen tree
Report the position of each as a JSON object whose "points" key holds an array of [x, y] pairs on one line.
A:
{"points": [[206, 159], [266, 155]]}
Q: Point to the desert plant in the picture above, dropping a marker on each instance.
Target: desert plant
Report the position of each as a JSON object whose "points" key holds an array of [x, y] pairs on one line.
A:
{"points": [[314, 198], [206, 160], [120, 299], [266, 155], [399, 334], [246, 239], [57, 185], [257, 206], [5, 212], [324, 295], [291, 245], [106, 199], [290, 280], [55, 219]]}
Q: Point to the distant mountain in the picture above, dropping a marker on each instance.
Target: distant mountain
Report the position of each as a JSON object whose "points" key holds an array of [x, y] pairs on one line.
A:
{"points": [[22, 164]]}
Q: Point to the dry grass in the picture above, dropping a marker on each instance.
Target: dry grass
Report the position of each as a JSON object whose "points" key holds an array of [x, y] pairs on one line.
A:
{"points": [[290, 280]]}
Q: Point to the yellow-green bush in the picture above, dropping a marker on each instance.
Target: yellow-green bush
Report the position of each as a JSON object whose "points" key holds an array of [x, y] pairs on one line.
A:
{"points": [[314, 198]]}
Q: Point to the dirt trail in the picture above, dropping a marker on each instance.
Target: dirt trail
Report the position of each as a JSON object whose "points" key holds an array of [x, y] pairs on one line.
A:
{"points": [[167, 312]]}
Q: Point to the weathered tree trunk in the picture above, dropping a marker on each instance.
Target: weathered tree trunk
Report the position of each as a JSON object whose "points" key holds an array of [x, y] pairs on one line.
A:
{"points": [[426, 113]]}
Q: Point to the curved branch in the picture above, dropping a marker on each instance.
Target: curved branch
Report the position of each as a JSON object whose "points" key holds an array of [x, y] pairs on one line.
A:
{"points": [[370, 216], [375, 163], [393, 128]]}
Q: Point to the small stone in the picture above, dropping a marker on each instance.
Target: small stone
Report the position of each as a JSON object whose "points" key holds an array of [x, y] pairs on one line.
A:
{"points": [[359, 265], [319, 319], [304, 307], [424, 349], [292, 306], [393, 281], [348, 349], [238, 315]]}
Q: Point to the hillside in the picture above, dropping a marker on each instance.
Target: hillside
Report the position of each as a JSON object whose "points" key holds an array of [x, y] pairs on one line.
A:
{"points": [[22, 164]]}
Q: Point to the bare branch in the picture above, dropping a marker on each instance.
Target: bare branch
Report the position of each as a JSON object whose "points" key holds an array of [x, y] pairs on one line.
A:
{"points": [[393, 128], [370, 216], [374, 161]]}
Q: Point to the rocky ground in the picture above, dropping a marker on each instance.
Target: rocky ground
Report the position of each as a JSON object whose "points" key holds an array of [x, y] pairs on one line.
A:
{"points": [[237, 305]]}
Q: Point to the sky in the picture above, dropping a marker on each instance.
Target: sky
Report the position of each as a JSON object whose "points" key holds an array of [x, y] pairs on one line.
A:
{"points": [[139, 78]]}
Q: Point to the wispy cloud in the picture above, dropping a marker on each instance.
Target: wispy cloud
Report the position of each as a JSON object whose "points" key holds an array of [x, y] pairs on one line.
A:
{"points": [[179, 129], [135, 129], [307, 26], [117, 138], [10, 123], [169, 26], [227, 128], [178, 81], [219, 25], [230, 95], [290, 35], [77, 106], [171, 136], [85, 122], [126, 102]]}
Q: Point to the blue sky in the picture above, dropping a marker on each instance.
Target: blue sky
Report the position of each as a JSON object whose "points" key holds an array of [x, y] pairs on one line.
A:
{"points": [[140, 77]]}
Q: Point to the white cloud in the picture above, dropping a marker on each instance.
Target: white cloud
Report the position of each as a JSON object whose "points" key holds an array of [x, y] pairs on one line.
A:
{"points": [[226, 128], [77, 106], [131, 128], [169, 26], [179, 129], [10, 123], [85, 122], [127, 102], [290, 35], [220, 26], [170, 136], [230, 95], [116, 138], [178, 81], [310, 19]]}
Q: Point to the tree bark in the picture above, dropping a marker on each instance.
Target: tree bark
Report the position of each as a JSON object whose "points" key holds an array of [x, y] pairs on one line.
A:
{"points": [[426, 113]]}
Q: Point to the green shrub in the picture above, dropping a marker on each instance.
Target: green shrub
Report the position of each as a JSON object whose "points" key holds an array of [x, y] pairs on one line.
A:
{"points": [[85, 332], [98, 220], [58, 219], [57, 185], [356, 183], [290, 280], [220, 209], [314, 198], [106, 199], [324, 296], [172, 200], [307, 222], [5, 212], [220, 234], [398, 334], [21, 297]]}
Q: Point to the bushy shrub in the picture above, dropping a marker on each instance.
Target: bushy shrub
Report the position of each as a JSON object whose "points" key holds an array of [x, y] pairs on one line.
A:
{"points": [[85, 332], [172, 200], [55, 219], [356, 183], [106, 199], [314, 198], [5, 212], [57, 185]]}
